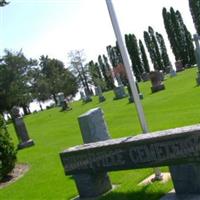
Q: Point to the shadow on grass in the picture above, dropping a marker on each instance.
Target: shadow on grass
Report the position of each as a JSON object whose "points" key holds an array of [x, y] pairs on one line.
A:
{"points": [[141, 194]]}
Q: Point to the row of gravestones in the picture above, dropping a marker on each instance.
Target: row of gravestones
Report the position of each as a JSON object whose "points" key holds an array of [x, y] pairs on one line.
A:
{"points": [[156, 78], [20, 127], [119, 91]]}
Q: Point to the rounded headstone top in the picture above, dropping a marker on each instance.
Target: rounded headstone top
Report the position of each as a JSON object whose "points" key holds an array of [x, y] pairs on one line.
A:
{"points": [[156, 77]]}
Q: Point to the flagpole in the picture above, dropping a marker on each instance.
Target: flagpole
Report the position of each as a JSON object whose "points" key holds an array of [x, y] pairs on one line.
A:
{"points": [[130, 75]]}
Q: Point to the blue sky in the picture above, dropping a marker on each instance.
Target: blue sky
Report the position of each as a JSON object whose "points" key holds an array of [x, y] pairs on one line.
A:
{"points": [[54, 27]]}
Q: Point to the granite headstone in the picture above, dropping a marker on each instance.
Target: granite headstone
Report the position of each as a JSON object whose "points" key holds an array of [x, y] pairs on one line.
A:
{"points": [[179, 66], [156, 80], [93, 129], [20, 128]]}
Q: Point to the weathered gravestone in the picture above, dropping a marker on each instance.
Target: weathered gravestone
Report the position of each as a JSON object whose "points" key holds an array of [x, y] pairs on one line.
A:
{"points": [[178, 148], [61, 101], [179, 66], [172, 72], [85, 98], [99, 93], [196, 39], [60, 98], [96, 91], [156, 78], [119, 90], [145, 76], [20, 128], [93, 129], [131, 99]]}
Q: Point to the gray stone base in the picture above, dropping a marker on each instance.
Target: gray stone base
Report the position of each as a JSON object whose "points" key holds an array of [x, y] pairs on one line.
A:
{"points": [[102, 98], [23, 145], [180, 69], [186, 178], [92, 185], [119, 92], [198, 81], [157, 88], [95, 198], [87, 99], [131, 100], [121, 97], [172, 73], [172, 196]]}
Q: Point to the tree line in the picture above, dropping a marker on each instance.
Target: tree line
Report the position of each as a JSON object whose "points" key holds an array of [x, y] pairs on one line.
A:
{"points": [[22, 79], [180, 40]]}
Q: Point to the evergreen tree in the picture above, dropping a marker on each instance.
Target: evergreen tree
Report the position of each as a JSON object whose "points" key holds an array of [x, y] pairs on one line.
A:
{"points": [[151, 50], [105, 73], [187, 40], [116, 60], [190, 47], [7, 150], [170, 33], [111, 55], [195, 12], [118, 53], [179, 36], [95, 73], [108, 72], [163, 50], [144, 59], [155, 48], [133, 50], [3, 3], [114, 55]]}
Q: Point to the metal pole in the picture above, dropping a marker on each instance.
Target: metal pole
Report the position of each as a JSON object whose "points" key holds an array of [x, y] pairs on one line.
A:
{"points": [[129, 73], [196, 39]]}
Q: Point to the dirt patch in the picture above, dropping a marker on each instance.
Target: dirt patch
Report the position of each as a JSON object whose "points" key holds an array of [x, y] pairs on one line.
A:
{"points": [[17, 172]]}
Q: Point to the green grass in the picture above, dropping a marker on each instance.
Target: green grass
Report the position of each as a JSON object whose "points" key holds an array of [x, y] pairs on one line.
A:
{"points": [[54, 131]]}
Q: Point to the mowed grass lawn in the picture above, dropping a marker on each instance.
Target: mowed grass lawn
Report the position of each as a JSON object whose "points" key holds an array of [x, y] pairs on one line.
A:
{"points": [[53, 131]]}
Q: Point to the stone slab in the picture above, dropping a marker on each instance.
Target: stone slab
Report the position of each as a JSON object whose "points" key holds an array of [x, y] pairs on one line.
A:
{"points": [[186, 178], [157, 88], [28, 143], [21, 130], [165, 177], [93, 128], [162, 148], [172, 196], [102, 99], [119, 92]]}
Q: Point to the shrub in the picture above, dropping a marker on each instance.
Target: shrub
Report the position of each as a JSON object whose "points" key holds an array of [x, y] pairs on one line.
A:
{"points": [[7, 150]]}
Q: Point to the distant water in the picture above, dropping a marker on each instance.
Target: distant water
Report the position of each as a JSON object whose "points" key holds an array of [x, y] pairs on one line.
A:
{"points": [[34, 106]]}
